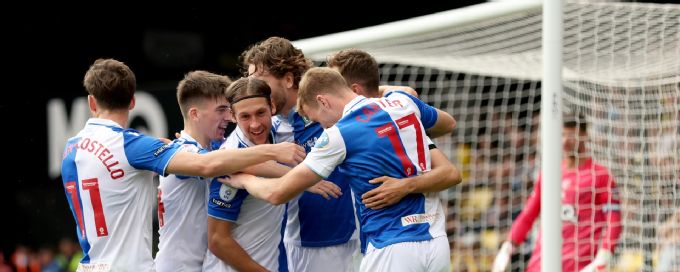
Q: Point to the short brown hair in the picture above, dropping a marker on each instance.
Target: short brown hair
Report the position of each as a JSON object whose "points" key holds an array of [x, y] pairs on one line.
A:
{"points": [[316, 81], [357, 66], [279, 56], [111, 82], [248, 87], [198, 85]]}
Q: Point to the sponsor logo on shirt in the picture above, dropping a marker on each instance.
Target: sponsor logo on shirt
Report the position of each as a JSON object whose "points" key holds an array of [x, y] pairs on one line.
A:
{"points": [[306, 121], [569, 213], [94, 267], [420, 218], [227, 193], [161, 149], [220, 203]]}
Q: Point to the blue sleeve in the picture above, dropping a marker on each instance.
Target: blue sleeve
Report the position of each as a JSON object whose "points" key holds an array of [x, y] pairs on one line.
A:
{"points": [[225, 202], [428, 114], [148, 153]]}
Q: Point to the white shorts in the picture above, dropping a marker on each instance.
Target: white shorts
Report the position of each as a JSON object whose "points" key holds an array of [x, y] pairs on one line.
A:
{"points": [[330, 258], [430, 255]]}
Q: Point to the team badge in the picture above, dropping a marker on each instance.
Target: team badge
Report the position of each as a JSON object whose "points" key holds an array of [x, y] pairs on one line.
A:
{"points": [[306, 121], [227, 193], [322, 141]]}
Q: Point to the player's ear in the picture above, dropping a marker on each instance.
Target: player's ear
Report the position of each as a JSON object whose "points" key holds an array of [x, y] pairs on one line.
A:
{"points": [[321, 101], [290, 79], [357, 89], [193, 113], [92, 103], [132, 103]]}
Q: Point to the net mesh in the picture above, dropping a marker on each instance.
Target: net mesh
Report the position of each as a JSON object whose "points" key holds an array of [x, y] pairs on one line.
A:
{"points": [[621, 70]]}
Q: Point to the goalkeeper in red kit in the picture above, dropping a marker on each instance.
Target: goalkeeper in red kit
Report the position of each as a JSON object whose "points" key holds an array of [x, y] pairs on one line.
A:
{"points": [[591, 220]]}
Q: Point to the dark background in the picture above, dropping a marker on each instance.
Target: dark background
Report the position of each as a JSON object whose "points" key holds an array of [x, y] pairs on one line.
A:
{"points": [[46, 51]]}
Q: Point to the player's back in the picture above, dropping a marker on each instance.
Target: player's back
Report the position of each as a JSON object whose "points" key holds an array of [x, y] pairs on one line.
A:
{"points": [[386, 137], [314, 221], [111, 199]]}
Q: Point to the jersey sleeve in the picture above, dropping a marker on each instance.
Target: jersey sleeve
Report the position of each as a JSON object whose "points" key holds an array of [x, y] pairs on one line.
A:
{"points": [[224, 202], [608, 198], [191, 148], [428, 114], [430, 144], [525, 220], [328, 152], [148, 153]]}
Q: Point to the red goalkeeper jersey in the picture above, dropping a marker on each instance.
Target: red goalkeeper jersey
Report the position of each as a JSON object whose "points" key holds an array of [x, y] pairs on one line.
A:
{"points": [[590, 216]]}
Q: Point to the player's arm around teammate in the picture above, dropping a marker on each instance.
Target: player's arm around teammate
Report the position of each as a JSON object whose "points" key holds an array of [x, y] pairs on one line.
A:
{"points": [[279, 191], [442, 176], [223, 162], [272, 169]]}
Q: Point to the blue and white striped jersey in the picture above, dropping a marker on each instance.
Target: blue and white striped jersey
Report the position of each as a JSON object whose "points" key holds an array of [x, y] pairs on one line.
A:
{"points": [[111, 193], [314, 221], [377, 137], [257, 224]]}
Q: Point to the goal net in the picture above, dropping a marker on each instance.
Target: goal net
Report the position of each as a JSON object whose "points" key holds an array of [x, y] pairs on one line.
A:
{"points": [[482, 64]]}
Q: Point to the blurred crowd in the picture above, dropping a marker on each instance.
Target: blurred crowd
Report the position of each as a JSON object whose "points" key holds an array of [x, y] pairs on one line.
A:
{"points": [[63, 257], [499, 160]]}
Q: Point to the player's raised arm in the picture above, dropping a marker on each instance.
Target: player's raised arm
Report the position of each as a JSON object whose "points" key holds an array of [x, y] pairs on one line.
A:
{"points": [[227, 161], [520, 228], [444, 125]]}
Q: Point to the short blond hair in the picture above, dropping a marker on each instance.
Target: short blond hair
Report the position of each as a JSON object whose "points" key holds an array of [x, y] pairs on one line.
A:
{"points": [[316, 81]]}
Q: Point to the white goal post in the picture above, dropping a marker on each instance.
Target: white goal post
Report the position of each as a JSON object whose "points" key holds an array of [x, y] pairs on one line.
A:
{"points": [[483, 64]]}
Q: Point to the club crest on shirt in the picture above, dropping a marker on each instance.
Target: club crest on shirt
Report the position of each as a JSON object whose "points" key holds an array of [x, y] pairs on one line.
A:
{"points": [[322, 141], [227, 193], [306, 121]]}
